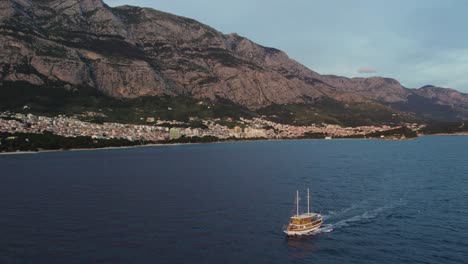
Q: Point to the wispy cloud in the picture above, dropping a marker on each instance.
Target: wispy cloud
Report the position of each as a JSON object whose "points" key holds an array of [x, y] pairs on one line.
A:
{"points": [[366, 70]]}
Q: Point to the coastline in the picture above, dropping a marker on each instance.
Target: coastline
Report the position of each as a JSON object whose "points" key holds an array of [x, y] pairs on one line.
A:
{"points": [[93, 149], [445, 134], [214, 142], [171, 144], [136, 146]]}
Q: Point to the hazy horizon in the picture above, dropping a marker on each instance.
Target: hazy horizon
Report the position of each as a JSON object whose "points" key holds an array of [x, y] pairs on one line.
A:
{"points": [[417, 45]]}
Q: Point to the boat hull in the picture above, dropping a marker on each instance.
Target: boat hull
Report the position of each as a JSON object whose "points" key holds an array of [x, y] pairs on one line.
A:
{"points": [[303, 232]]}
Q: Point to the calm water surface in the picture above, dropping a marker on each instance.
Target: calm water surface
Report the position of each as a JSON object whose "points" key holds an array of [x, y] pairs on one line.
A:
{"points": [[384, 202]]}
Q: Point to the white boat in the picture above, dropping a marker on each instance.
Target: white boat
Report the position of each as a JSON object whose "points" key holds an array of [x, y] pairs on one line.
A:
{"points": [[303, 224]]}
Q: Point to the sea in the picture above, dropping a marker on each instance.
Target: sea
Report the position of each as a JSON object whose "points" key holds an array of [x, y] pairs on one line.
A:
{"points": [[382, 202]]}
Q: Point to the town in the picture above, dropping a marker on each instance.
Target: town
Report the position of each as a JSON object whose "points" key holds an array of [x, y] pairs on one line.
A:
{"points": [[162, 130]]}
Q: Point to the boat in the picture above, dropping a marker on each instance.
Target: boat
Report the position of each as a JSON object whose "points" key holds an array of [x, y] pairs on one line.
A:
{"points": [[303, 224]]}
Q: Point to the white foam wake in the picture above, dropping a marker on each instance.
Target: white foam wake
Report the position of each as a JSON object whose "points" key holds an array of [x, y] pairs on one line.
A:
{"points": [[344, 210], [367, 215], [323, 229]]}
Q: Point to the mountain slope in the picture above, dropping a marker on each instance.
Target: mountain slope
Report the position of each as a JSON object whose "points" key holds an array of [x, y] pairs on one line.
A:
{"points": [[130, 52]]}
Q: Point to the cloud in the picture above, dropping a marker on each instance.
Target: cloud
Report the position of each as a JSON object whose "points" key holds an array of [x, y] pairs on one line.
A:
{"points": [[367, 70]]}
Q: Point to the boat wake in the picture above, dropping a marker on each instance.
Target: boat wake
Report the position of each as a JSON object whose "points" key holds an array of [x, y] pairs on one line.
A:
{"points": [[344, 211], [323, 229], [355, 218]]}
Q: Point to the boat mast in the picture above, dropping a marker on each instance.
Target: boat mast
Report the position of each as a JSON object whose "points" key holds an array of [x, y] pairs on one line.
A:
{"points": [[297, 202], [308, 201]]}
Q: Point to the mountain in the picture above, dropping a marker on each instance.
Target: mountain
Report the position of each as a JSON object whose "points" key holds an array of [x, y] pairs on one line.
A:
{"points": [[131, 52]]}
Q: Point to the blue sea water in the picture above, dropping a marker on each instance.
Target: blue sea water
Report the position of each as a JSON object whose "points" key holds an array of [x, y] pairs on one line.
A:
{"points": [[383, 202]]}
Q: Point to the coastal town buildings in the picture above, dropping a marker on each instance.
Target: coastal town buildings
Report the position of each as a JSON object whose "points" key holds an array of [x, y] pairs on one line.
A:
{"points": [[162, 130]]}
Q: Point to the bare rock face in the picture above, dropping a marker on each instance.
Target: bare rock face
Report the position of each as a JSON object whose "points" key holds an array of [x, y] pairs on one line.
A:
{"points": [[87, 16], [6, 10], [376, 88], [443, 96], [128, 52], [71, 71], [270, 58], [131, 79], [30, 78]]}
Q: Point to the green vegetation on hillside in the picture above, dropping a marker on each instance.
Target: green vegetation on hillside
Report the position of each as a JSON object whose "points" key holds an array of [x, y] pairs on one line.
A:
{"points": [[53, 101], [429, 109], [334, 112], [445, 128], [397, 133]]}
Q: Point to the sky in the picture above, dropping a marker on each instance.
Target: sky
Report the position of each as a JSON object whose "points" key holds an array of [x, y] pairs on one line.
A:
{"points": [[417, 42]]}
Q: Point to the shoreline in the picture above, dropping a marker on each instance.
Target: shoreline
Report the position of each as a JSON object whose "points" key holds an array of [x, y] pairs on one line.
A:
{"points": [[445, 134], [91, 149], [214, 142]]}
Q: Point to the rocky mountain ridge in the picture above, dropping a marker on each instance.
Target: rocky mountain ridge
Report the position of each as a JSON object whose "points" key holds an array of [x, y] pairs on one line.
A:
{"points": [[129, 52]]}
